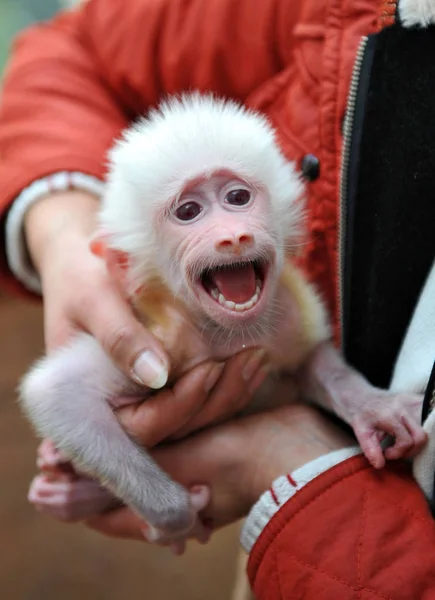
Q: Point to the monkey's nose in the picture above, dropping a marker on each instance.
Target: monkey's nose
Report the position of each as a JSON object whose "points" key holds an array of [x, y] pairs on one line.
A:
{"points": [[234, 243]]}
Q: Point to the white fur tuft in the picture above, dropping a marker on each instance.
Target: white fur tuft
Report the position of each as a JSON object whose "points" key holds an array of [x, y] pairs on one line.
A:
{"points": [[184, 139], [417, 12]]}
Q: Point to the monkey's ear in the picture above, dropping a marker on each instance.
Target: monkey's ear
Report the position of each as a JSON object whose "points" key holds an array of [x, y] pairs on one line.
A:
{"points": [[98, 245], [117, 262]]}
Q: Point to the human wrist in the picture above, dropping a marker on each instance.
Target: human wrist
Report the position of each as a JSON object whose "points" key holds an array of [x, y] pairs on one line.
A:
{"points": [[297, 436], [56, 218], [284, 488]]}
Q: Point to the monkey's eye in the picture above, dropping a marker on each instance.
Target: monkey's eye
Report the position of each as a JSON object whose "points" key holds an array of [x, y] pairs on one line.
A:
{"points": [[188, 211], [238, 197]]}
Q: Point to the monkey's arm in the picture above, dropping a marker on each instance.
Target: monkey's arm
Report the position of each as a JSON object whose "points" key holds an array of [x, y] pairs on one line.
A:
{"points": [[66, 397], [373, 413]]}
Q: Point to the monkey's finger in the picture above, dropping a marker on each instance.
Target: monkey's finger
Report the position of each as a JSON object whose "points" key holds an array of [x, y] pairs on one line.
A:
{"points": [[163, 414], [44, 486], [133, 349], [119, 523], [178, 548], [368, 439], [48, 457], [403, 441], [418, 435], [47, 451]]}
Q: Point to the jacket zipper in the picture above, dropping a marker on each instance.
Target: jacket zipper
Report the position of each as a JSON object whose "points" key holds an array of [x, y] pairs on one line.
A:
{"points": [[344, 173]]}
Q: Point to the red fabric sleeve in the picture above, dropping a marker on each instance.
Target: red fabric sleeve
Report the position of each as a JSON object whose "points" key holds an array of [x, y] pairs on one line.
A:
{"points": [[75, 81], [354, 532]]}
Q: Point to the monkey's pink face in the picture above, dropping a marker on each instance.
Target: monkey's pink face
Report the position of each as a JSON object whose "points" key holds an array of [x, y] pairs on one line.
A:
{"points": [[220, 232]]}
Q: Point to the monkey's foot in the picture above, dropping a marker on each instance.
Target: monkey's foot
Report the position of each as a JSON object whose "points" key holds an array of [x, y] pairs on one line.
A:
{"points": [[69, 499], [199, 531]]}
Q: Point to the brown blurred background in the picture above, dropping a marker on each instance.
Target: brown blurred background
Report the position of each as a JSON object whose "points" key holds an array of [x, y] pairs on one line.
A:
{"points": [[41, 559]]}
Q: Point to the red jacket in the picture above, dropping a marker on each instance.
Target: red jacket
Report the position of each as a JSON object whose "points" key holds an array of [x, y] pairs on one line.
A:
{"points": [[74, 82], [70, 87], [352, 533]]}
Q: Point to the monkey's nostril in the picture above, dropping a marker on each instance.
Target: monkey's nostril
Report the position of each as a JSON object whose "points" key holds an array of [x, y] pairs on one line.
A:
{"points": [[234, 243], [245, 239]]}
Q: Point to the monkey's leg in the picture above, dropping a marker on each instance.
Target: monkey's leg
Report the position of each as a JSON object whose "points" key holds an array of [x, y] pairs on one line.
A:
{"points": [[66, 397]]}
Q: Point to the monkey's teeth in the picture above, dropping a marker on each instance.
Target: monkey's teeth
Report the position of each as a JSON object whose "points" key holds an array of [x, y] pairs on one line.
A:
{"points": [[232, 305], [238, 307]]}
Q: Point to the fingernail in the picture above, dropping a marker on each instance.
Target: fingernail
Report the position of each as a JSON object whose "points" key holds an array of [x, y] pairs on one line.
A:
{"points": [[253, 363], [150, 371], [260, 376], [213, 376]]}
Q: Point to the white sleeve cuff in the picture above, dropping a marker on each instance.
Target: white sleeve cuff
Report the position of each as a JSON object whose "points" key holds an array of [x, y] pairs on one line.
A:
{"points": [[283, 489], [16, 250]]}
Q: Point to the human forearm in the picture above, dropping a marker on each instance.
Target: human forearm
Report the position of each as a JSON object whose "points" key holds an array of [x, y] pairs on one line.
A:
{"points": [[238, 460]]}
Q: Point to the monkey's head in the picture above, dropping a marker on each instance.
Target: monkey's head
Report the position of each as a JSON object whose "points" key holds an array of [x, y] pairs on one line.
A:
{"points": [[200, 197]]}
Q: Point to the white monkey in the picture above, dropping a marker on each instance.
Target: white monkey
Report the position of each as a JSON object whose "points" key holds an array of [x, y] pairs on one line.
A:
{"points": [[200, 218]]}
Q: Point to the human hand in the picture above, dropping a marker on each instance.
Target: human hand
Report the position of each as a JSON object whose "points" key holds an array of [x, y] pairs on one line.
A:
{"points": [[237, 461]]}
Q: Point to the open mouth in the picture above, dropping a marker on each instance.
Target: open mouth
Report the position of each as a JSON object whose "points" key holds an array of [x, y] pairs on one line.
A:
{"points": [[236, 287]]}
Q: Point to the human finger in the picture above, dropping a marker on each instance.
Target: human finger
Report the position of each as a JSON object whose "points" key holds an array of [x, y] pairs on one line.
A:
{"points": [[120, 523], [242, 375], [369, 441], [161, 415], [107, 316]]}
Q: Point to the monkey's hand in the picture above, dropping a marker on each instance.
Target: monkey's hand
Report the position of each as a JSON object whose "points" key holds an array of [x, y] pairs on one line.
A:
{"points": [[61, 492], [374, 414], [68, 498], [377, 414], [51, 461]]}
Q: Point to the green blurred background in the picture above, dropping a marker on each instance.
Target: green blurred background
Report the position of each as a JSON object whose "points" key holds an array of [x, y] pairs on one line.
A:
{"points": [[16, 14]]}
